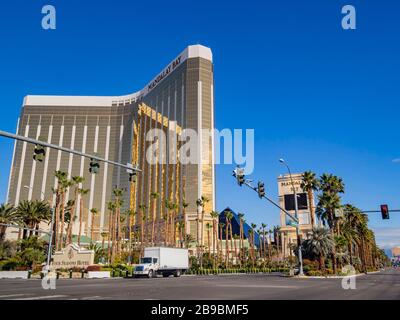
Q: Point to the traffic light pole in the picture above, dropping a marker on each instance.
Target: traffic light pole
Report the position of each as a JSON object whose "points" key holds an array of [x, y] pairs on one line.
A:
{"points": [[128, 166], [247, 183]]}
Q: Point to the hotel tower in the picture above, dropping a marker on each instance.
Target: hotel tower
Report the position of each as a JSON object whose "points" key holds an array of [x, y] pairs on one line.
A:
{"points": [[115, 127]]}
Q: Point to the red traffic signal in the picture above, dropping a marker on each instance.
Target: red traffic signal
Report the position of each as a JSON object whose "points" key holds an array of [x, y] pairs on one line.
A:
{"points": [[385, 211]]}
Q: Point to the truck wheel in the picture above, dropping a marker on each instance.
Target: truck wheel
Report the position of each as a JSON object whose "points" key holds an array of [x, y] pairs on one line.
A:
{"points": [[177, 273], [150, 275]]}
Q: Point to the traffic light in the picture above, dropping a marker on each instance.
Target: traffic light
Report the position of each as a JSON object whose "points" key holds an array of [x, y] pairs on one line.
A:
{"points": [[94, 166], [39, 153], [385, 211], [239, 174], [261, 189]]}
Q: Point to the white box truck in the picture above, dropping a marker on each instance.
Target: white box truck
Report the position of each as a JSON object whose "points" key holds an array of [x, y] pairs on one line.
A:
{"points": [[162, 261]]}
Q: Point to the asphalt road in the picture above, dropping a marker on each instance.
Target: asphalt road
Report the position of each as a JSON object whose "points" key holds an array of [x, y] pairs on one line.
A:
{"points": [[382, 285]]}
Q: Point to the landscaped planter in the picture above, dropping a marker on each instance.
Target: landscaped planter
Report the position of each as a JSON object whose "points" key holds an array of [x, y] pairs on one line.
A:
{"points": [[98, 274], [14, 274]]}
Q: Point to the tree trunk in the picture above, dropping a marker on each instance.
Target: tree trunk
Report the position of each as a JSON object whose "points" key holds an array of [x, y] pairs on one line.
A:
{"points": [[61, 240], [72, 218], [109, 236], [312, 211], [226, 243]]}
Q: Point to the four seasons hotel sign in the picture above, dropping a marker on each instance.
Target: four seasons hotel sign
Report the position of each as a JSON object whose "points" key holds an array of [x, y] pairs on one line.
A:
{"points": [[72, 256]]}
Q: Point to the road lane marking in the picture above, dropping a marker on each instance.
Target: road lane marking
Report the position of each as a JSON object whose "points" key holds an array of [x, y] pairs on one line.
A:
{"points": [[41, 297], [256, 286], [15, 295]]}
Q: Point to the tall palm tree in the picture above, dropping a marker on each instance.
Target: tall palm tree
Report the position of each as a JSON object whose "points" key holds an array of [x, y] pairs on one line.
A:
{"points": [[118, 193], [131, 215], [173, 207], [154, 196], [241, 236], [319, 244], [8, 215], [215, 217], [253, 227], [263, 245], [251, 243], [82, 193], [228, 218], [104, 235], [111, 240], [142, 219], [65, 184], [221, 226], [59, 191], [94, 213], [181, 228], [184, 206], [201, 202], [77, 181], [309, 184], [208, 228]]}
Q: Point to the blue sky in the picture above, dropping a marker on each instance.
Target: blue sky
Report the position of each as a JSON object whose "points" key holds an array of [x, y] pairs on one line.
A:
{"points": [[323, 98]]}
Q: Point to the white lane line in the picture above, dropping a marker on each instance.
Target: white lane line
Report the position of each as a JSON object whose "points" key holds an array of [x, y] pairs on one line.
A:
{"points": [[94, 298], [15, 295], [42, 297], [257, 286]]}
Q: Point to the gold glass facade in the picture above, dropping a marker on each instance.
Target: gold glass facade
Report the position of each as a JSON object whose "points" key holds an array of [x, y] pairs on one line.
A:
{"points": [[115, 128]]}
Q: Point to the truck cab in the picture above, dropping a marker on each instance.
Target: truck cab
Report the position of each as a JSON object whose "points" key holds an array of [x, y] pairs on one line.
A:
{"points": [[148, 266]]}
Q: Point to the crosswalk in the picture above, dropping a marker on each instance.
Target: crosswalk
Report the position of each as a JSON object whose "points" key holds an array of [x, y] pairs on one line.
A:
{"points": [[31, 296]]}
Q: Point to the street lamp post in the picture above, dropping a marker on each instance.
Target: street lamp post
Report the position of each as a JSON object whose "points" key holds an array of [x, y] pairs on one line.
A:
{"points": [[50, 234], [296, 209]]}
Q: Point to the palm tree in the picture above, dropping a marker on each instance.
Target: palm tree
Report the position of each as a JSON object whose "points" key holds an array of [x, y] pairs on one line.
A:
{"points": [[201, 202], [263, 245], [184, 206], [154, 196], [319, 245], [208, 228], [32, 213], [215, 217], [173, 207], [65, 184], [309, 184], [61, 177], [142, 219], [130, 214], [118, 193], [221, 226], [251, 243], [111, 240], [276, 232], [181, 228], [241, 236], [94, 213], [8, 215], [77, 181], [253, 227], [103, 236], [167, 205], [228, 217], [82, 193]]}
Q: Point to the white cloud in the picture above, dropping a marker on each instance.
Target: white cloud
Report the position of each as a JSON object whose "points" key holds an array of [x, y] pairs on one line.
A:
{"points": [[387, 237]]}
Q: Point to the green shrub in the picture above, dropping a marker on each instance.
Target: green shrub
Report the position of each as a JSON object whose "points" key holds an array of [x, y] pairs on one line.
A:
{"points": [[10, 264]]}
